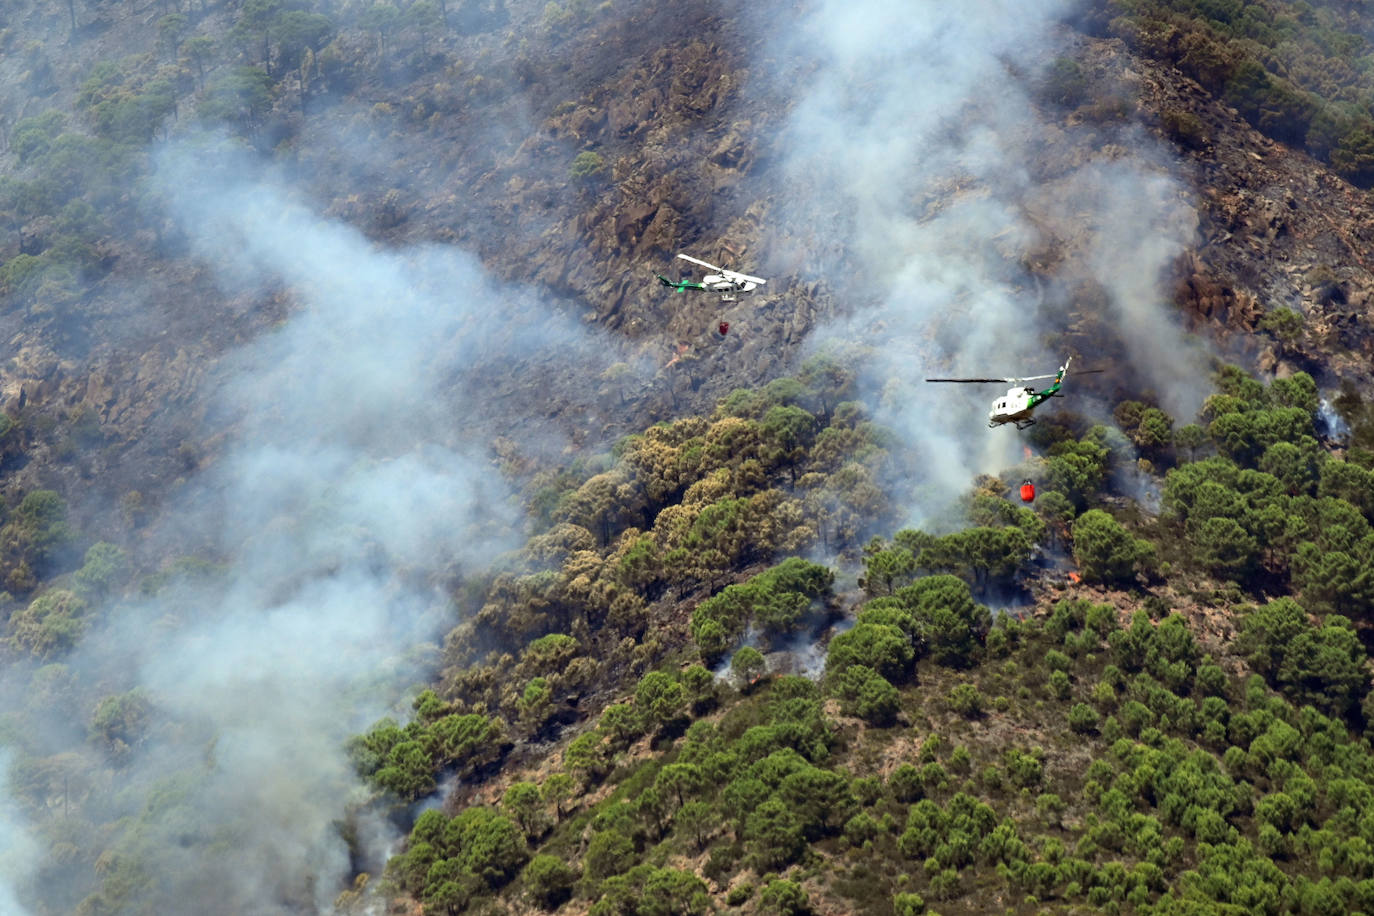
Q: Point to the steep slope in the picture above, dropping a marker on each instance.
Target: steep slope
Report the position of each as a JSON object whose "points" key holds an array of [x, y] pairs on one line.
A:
{"points": [[470, 139], [306, 378], [1276, 230], [1175, 731]]}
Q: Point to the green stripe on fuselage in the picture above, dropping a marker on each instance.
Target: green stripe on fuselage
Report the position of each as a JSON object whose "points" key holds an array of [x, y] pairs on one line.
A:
{"points": [[1040, 397], [680, 285]]}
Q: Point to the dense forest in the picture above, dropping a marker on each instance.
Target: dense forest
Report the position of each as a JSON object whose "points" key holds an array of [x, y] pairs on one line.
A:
{"points": [[404, 556], [1167, 734]]}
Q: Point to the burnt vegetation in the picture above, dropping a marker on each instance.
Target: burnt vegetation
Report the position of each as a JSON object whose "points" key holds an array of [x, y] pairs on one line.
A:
{"points": [[1182, 726], [1299, 72]]}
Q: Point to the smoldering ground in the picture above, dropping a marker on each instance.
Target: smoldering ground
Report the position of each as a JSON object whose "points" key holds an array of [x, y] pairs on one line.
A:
{"points": [[353, 487], [973, 217]]}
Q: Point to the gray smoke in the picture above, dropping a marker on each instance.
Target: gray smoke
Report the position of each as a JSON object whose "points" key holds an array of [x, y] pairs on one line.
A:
{"points": [[18, 852], [353, 485], [916, 141], [354, 479], [345, 474]]}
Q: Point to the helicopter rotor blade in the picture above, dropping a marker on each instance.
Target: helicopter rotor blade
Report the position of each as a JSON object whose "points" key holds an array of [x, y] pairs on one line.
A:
{"points": [[975, 380], [688, 257], [1018, 379]]}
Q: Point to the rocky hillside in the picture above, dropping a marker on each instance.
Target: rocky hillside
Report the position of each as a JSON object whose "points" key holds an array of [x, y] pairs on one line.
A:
{"points": [[470, 139], [335, 365]]}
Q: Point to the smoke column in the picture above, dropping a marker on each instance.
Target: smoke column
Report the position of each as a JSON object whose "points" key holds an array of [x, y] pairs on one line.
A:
{"points": [[912, 162], [916, 142], [355, 483], [18, 852]]}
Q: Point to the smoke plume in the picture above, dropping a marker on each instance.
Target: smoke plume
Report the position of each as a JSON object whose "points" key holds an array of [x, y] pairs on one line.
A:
{"points": [[355, 483], [18, 851], [977, 225], [966, 227]]}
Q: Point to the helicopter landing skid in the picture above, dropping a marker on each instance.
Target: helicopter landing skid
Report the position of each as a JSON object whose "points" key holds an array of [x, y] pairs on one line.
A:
{"points": [[1019, 424]]}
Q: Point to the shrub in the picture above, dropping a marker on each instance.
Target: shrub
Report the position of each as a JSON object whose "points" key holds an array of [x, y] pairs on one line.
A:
{"points": [[904, 784], [1064, 83], [966, 701], [880, 646], [784, 898], [106, 565], [608, 853], [1284, 323], [909, 904], [861, 828], [747, 666], [1026, 770], [586, 166], [1083, 719], [1104, 696], [739, 894], [549, 880], [1184, 128], [39, 528], [1106, 552], [1050, 807], [1059, 685], [867, 694], [950, 622], [934, 778]]}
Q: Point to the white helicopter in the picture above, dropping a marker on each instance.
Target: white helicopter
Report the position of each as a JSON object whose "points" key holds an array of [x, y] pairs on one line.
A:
{"points": [[726, 282], [1020, 400]]}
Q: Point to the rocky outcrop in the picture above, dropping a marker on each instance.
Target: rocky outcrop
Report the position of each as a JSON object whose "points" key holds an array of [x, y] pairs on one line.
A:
{"points": [[1210, 302], [487, 149], [1277, 229]]}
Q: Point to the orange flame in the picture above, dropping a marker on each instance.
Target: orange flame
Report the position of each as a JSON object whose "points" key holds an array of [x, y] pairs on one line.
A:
{"points": [[1026, 449], [1075, 578]]}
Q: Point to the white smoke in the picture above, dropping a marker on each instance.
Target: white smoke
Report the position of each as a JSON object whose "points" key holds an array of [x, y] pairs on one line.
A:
{"points": [[916, 141], [345, 473], [351, 474], [19, 854], [1331, 420], [352, 483]]}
